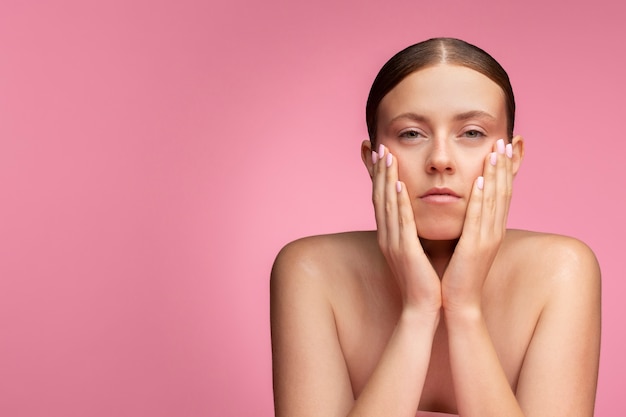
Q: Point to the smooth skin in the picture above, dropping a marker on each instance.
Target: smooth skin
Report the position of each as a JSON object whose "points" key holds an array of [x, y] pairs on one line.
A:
{"points": [[441, 309]]}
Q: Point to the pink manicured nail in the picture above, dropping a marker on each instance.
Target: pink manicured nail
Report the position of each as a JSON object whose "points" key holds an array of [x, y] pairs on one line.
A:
{"points": [[509, 150], [500, 146], [480, 183], [374, 157], [398, 186], [493, 158], [389, 159], [381, 150]]}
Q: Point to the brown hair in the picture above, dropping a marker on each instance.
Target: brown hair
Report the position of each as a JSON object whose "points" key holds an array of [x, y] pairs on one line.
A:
{"points": [[432, 52]]}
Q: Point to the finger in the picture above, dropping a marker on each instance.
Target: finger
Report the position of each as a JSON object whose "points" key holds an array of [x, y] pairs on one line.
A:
{"points": [[509, 179], [489, 201], [502, 188], [406, 217], [378, 197], [473, 215], [391, 200]]}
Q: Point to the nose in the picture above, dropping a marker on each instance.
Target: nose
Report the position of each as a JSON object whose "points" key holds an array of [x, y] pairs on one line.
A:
{"points": [[440, 158]]}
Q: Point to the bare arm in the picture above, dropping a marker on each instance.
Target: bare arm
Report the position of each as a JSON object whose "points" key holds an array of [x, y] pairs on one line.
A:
{"points": [[310, 373], [559, 372], [480, 384]]}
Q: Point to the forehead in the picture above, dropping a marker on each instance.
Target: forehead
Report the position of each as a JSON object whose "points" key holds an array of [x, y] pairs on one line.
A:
{"points": [[444, 90]]}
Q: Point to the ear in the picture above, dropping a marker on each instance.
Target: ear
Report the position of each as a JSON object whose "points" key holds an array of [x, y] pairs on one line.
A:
{"points": [[518, 152], [366, 156]]}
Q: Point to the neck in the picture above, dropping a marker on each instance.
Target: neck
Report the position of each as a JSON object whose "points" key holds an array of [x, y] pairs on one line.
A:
{"points": [[439, 253]]}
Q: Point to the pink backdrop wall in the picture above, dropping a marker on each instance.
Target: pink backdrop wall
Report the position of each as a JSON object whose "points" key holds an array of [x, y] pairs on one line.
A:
{"points": [[155, 156]]}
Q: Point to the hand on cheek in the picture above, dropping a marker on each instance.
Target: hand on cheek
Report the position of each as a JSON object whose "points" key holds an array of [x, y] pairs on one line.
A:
{"points": [[483, 230], [497, 190], [398, 239]]}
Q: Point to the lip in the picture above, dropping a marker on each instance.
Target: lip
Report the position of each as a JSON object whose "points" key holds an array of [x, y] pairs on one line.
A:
{"points": [[440, 195]]}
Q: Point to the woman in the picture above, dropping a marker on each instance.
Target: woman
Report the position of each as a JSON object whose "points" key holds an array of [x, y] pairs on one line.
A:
{"points": [[441, 309]]}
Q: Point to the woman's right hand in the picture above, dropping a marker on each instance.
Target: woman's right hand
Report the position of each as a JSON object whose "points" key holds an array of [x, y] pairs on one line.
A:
{"points": [[398, 239]]}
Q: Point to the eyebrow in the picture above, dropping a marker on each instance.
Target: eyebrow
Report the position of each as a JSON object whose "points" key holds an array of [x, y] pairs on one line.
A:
{"points": [[472, 114]]}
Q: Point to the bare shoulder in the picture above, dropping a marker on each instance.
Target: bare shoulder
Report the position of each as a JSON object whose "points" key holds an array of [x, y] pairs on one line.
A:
{"points": [[561, 275], [325, 256], [309, 367], [561, 258], [325, 275]]}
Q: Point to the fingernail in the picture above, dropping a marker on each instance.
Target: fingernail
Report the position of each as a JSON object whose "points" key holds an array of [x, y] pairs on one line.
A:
{"points": [[389, 159], [500, 146], [509, 150], [398, 186], [493, 158], [381, 150], [480, 182], [374, 157]]}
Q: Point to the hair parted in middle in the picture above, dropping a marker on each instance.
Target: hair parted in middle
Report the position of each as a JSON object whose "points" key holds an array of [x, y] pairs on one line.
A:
{"points": [[429, 53]]}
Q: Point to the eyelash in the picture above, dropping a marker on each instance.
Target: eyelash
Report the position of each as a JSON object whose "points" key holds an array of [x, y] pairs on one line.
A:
{"points": [[406, 133], [416, 134], [478, 132]]}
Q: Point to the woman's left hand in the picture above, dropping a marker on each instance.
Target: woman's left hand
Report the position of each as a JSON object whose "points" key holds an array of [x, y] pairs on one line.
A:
{"points": [[483, 232]]}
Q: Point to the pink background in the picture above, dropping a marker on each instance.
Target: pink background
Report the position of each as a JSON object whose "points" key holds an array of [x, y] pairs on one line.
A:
{"points": [[155, 156]]}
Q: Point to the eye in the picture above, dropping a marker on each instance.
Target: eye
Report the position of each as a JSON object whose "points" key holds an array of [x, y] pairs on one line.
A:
{"points": [[473, 134], [411, 134]]}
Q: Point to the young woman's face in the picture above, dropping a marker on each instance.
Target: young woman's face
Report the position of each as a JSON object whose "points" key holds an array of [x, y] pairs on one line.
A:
{"points": [[440, 123]]}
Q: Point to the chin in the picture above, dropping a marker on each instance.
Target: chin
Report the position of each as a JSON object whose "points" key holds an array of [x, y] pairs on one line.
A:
{"points": [[440, 230]]}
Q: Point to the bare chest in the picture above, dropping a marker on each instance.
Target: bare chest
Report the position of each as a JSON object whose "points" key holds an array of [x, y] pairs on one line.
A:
{"points": [[365, 324]]}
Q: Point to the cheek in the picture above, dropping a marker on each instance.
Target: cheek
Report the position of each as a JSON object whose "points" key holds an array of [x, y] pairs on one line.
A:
{"points": [[478, 167], [473, 164], [409, 172], [470, 173]]}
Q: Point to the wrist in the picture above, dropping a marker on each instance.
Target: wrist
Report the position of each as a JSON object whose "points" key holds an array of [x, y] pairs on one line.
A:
{"points": [[464, 315], [420, 316], [428, 303], [462, 302]]}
